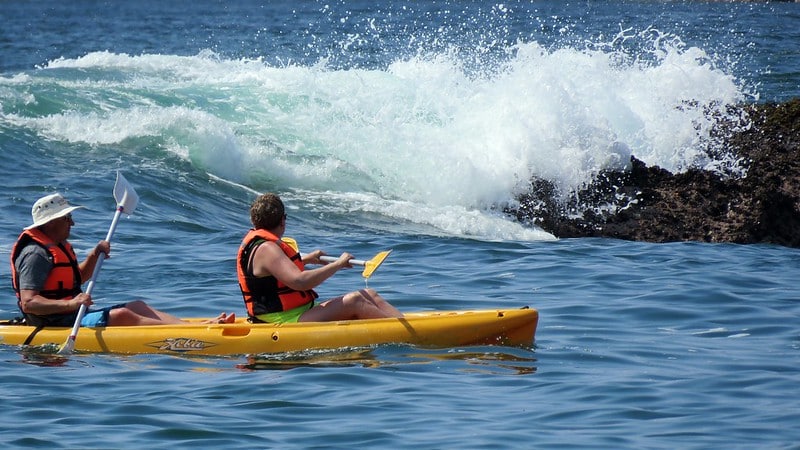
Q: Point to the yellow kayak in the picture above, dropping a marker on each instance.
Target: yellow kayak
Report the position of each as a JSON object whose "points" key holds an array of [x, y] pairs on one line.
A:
{"points": [[441, 329]]}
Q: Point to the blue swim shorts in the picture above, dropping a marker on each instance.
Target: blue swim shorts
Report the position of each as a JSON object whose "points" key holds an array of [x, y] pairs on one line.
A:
{"points": [[99, 317]]}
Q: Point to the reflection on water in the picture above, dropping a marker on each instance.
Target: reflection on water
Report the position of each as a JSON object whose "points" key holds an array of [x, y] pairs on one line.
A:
{"points": [[42, 355], [487, 359], [490, 360], [322, 358]]}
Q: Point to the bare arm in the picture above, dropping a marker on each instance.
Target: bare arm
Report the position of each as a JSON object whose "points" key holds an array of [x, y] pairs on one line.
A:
{"points": [[269, 259], [33, 303], [33, 267], [87, 266]]}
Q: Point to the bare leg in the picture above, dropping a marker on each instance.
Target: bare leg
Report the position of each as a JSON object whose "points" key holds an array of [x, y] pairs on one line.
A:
{"points": [[140, 313], [363, 304], [143, 309], [121, 317], [380, 303]]}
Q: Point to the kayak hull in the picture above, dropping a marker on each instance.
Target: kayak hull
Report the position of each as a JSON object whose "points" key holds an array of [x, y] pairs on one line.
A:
{"points": [[440, 329]]}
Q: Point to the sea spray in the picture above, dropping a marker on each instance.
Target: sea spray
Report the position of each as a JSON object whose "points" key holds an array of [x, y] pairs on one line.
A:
{"points": [[441, 138]]}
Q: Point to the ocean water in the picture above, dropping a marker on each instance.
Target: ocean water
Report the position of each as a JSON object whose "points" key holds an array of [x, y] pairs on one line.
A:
{"points": [[402, 125]]}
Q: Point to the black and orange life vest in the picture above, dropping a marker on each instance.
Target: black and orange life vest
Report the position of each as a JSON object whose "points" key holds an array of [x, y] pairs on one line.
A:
{"points": [[267, 294], [64, 279]]}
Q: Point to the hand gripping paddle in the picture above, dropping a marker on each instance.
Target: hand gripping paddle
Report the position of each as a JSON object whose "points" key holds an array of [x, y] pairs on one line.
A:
{"points": [[369, 266]]}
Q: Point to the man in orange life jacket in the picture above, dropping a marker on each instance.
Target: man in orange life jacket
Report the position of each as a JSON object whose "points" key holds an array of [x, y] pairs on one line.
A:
{"points": [[275, 284], [47, 276]]}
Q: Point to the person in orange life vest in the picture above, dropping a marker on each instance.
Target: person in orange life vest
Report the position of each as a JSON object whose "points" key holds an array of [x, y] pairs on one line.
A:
{"points": [[47, 276], [275, 284]]}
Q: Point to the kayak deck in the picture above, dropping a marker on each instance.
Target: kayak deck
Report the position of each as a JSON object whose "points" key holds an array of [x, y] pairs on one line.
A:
{"points": [[514, 327]]}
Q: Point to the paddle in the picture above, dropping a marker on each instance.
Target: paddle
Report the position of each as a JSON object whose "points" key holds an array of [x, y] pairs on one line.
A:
{"points": [[369, 266], [126, 199]]}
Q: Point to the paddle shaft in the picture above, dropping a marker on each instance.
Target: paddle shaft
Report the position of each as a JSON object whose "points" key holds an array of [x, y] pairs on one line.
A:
{"points": [[82, 311], [369, 266], [355, 262]]}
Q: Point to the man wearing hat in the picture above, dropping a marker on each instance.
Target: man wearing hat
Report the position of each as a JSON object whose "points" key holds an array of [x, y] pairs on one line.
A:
{"points": [[47, 276]]}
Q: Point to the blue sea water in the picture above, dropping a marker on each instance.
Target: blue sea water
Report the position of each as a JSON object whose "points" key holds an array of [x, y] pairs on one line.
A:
{"points": [[402, 125]]}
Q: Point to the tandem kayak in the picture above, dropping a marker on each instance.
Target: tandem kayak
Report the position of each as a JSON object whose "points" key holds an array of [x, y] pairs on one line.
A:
{"points": [[438, 329]]}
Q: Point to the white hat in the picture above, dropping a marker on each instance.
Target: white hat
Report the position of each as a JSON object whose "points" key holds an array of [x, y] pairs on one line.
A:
{"points": [[49, 208]]}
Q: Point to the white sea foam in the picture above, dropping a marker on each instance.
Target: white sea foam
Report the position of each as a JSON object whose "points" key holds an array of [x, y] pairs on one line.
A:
{"points": [[422, 140]]}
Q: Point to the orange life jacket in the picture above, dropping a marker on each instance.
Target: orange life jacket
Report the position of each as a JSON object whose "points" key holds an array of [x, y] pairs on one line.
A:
{"points": [[267, 294], [64, 279]]}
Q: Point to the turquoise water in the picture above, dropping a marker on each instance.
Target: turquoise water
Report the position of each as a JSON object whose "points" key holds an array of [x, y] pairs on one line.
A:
{"points": [[399, 126]]}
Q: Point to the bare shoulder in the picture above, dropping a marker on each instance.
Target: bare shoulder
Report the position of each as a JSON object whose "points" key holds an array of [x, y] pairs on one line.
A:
{"points": [[268, 249], [266, 256]]}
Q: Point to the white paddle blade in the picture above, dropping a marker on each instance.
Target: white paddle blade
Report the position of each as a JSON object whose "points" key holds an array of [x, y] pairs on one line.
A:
{"points": [[125, 195], [68, 347]]}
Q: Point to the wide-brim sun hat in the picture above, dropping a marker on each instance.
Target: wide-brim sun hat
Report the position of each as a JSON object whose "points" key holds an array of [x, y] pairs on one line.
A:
{"points": [[49, 208]]}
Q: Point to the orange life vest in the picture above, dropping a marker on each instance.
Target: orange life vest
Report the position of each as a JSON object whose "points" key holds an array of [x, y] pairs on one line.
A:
{"points": [[64, 279], [267, 294]]}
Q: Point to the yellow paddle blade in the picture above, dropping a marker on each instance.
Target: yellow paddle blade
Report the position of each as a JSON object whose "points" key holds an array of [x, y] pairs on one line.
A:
{"points": [[371, 265], [292, 243]]}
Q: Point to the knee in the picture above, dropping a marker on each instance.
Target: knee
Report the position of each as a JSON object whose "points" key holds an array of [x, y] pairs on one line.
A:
{"points": [[357, 300], [362, 298], [368, 294], [352, 298], [361, 295], [122, 317], [135, 304], [135, 307]]}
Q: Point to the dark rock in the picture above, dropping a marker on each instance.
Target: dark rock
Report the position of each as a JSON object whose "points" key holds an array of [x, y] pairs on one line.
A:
{"points": [[652, 204]]}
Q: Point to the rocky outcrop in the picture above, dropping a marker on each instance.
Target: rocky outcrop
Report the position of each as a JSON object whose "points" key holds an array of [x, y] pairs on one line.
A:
{"points": [[696, 205]]}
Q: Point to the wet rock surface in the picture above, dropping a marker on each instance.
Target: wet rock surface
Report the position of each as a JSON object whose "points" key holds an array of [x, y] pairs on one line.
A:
{"points": [[696, 205]]}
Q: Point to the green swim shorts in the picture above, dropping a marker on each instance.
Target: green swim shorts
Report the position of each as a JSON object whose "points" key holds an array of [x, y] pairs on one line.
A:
{"points": [[290, 316]]}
